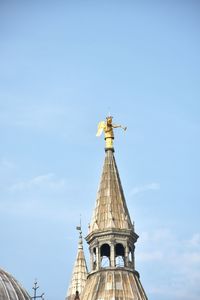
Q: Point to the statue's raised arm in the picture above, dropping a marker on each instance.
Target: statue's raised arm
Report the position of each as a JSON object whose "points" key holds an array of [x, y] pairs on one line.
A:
{"points": [[107, 127]]}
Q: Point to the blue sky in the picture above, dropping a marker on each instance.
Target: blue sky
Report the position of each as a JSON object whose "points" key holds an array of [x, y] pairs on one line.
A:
{"points": [[63, 66]]}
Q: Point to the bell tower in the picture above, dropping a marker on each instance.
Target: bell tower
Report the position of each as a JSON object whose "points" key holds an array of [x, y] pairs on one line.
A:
{"points": [[111, 236]]}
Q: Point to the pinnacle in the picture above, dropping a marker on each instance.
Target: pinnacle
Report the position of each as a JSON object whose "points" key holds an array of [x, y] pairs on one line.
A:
{"points": [[111, 211], [79, 274]]}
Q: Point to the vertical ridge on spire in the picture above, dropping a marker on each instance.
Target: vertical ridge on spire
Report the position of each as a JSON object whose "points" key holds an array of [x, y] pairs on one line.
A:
{"points": [[80, 272], [111, 210]]}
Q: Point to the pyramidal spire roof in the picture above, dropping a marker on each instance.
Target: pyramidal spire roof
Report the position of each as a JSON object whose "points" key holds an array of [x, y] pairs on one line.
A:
{"points": [[80, 272], [111, 211]]}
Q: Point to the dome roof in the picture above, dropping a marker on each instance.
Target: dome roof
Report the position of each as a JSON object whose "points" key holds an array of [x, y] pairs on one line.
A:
{"points": [[10, 289]]}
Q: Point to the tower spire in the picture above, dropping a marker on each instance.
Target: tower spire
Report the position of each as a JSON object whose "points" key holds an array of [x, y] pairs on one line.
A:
{"points": [[80, 271], [111, 211], [111, 236]]}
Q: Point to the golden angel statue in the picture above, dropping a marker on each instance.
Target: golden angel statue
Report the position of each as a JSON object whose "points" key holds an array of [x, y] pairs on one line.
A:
{"points": [[107, 127]]}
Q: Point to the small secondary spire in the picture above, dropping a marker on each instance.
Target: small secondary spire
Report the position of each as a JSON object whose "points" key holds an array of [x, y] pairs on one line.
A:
{"points": [[79, 275], [107, 126]]}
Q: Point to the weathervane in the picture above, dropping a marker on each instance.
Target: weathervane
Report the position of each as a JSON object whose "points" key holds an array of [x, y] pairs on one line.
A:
{"points": [[107, 127], [79, 228], [35, 287]]}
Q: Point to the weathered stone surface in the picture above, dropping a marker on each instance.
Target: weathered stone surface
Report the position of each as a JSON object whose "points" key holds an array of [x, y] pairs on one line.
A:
{"points": [[114, 285], [10, 289], [111, 210]]}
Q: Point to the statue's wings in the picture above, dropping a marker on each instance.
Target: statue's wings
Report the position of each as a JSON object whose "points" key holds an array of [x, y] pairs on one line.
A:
{"points": [[101, 126]]}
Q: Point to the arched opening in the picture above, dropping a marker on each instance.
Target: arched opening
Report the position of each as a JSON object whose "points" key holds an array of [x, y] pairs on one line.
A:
{"points": [[105, 256], [119, 255], [94, 259], [130, 255]]}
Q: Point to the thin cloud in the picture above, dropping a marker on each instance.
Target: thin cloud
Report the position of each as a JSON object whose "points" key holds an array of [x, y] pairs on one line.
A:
{"points": [[39, 209], [154, 186], [194, 241], [172, 293], [176, 256], [6, 164], [156, 236], [41, 181], [34, 116], [149, 256], [191, 258]]}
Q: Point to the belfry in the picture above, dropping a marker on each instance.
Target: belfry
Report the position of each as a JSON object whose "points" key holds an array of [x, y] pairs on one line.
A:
{"points": [[111, 239]]}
